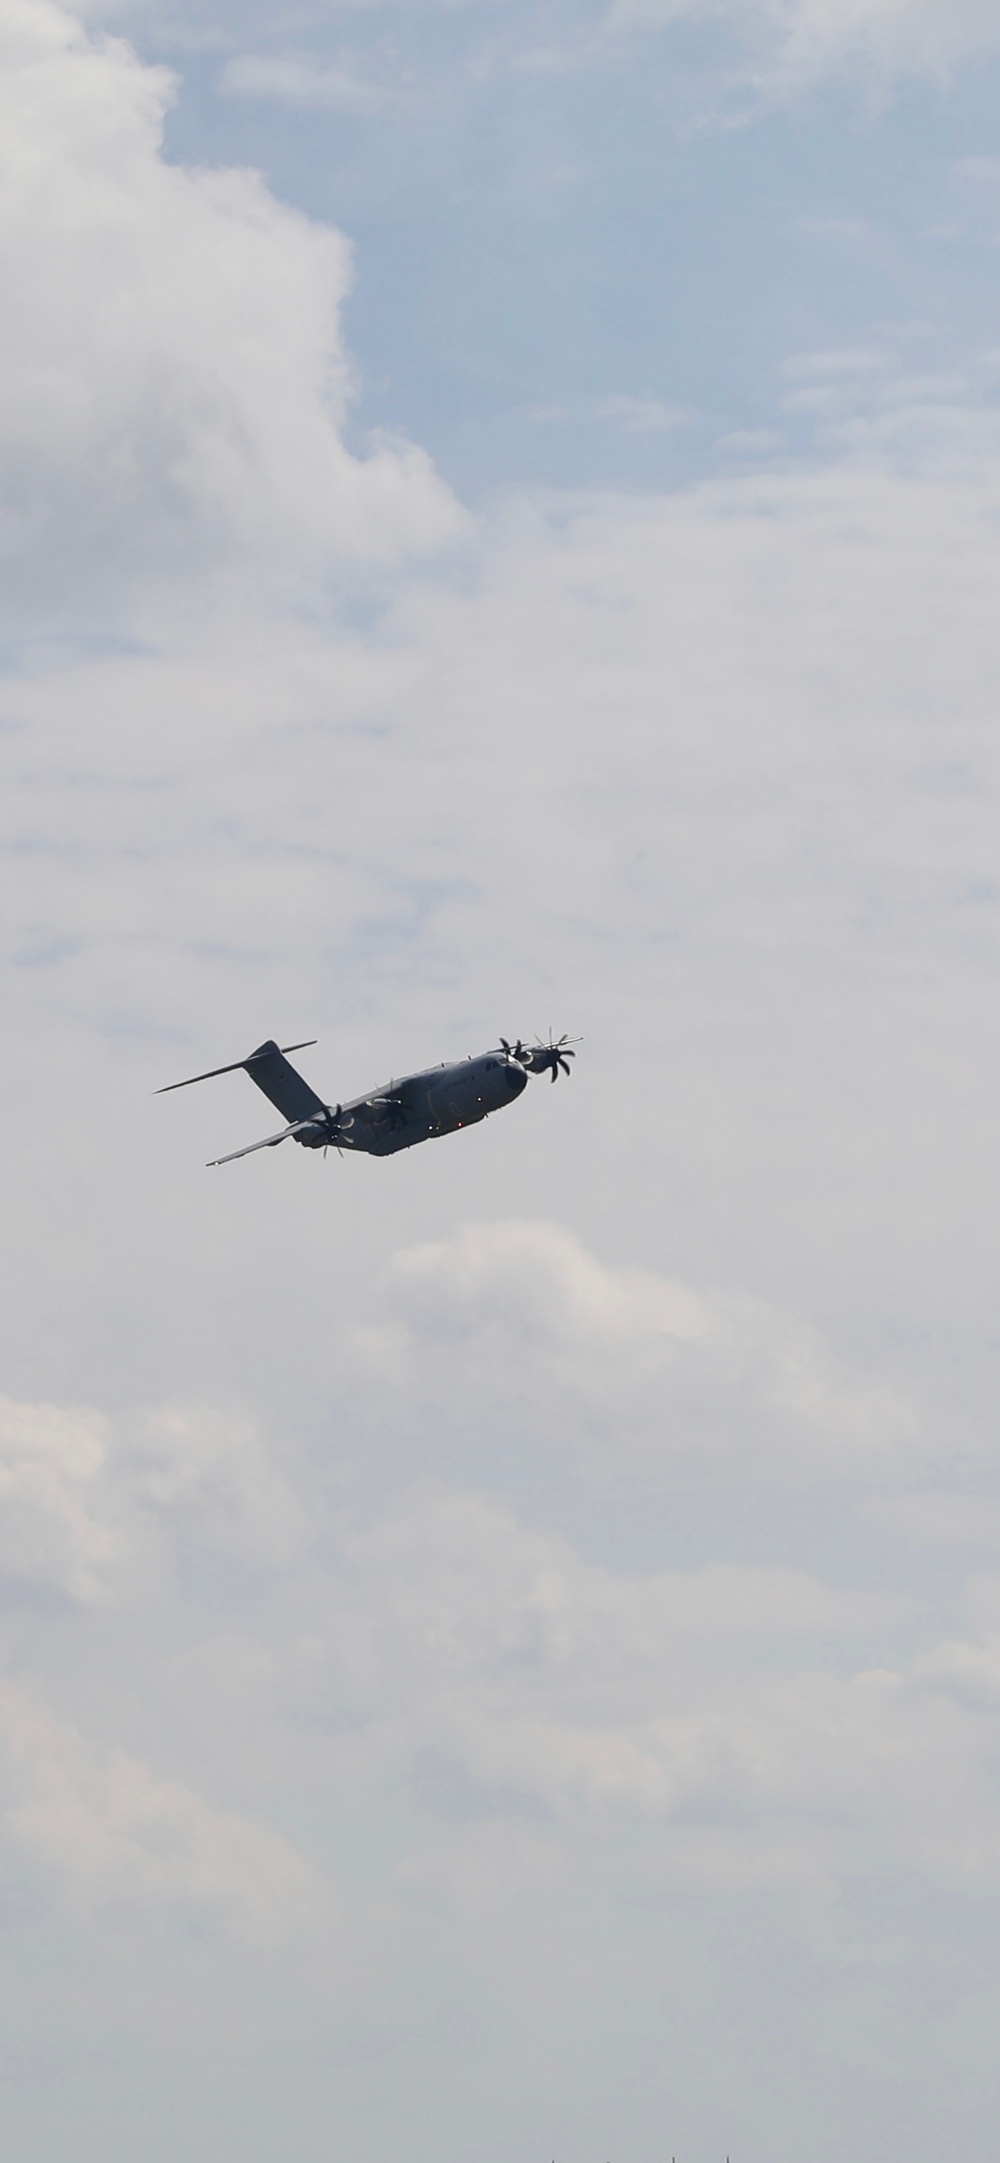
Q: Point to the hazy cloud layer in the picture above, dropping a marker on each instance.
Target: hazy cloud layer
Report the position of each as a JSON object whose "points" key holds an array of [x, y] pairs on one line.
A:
{"points": [[796, 43], [106, 1833], [528, 1607], [788, 46], [86, 1510], [501, 1660], [299, 83]]}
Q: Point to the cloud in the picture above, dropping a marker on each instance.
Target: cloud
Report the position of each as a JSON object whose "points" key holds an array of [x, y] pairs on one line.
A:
{"points": [[784, 46], [634, 416], [300, 83], [53, 1529], [641, 416], [481, 1661], [849, 361], [635, 1374], [214, 1477], [172, 375], [107, 1833], [794, 43], [90, 1509], [708, 777], [966, 1668], [938, 1518]]}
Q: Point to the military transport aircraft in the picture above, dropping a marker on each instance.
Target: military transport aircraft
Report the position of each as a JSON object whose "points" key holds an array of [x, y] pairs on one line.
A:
{"points": [[416, 1109]]}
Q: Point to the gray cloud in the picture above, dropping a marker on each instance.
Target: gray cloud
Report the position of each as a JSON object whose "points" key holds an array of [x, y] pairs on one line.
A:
{"points": [[516, 1324], [108, 1834], [86, 1510]]}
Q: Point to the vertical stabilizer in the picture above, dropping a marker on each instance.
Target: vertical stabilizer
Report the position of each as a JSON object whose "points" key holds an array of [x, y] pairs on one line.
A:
{"points": [[272, 1073]]}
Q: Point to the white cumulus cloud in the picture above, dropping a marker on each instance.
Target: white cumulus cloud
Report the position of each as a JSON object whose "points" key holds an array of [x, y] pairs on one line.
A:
{"points": [[172, 376]]}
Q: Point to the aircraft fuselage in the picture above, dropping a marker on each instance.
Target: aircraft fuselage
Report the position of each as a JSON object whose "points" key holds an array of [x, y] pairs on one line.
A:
{"points": [[422, 1106]]}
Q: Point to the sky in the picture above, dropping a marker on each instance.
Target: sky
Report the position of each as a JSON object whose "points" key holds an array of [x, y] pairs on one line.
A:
{"points": [[501, 530]]}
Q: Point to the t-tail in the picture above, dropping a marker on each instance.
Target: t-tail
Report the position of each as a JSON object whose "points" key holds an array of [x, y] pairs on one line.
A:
{"points": [[269, 1068]]}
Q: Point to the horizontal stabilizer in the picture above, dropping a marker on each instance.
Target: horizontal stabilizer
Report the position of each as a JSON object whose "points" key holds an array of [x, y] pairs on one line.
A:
{"points": [[238, 1066]]}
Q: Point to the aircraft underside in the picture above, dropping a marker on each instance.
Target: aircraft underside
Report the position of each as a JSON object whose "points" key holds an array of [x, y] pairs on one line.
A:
{"points": [[417, 1129]]}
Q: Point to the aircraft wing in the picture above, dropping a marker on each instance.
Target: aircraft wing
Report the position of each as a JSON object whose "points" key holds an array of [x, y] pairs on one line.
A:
{"points": [[270, 1143]]}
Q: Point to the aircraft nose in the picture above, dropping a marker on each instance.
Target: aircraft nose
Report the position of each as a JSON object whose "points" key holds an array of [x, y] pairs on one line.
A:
{"points": [[515, 1077]]}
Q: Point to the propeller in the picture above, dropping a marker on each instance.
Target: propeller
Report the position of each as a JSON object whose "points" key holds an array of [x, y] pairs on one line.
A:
{"points": [[515, 1051], [335, 1134], [552, 1058], [393, 1109]]}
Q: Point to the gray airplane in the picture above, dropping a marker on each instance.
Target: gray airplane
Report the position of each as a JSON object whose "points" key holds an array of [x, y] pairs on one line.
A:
{"points": [[416, 1109]]}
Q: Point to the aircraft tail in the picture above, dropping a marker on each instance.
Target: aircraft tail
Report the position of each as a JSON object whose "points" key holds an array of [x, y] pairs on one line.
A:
{"points": [[268, 1067]]}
